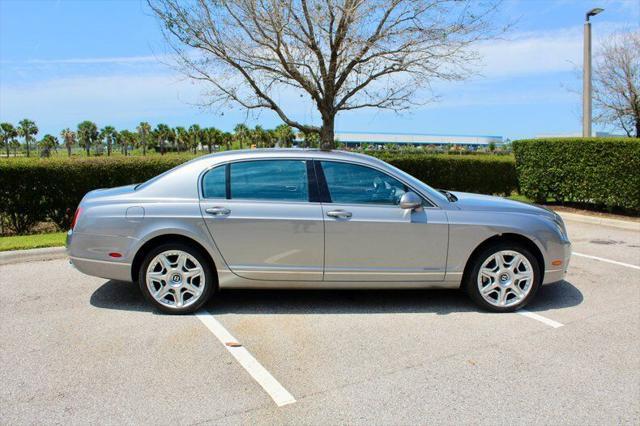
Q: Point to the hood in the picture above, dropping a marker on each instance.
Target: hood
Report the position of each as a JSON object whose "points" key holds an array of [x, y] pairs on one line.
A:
{"points": [[479, 202], [108, 192]]}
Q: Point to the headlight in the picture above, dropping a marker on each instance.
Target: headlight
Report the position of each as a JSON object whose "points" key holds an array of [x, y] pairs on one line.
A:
{"points": [[557, 220]]}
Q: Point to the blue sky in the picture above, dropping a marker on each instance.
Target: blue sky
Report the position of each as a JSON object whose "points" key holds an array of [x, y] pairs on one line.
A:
{"points": [[62, 62]]}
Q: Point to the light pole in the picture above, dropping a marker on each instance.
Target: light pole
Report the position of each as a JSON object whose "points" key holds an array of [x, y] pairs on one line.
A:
{"points": [[586, 75]]}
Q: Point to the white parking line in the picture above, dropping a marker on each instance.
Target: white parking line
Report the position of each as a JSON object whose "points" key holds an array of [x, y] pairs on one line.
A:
{"points": [[549, 322], [275, 390], [602, 259]]}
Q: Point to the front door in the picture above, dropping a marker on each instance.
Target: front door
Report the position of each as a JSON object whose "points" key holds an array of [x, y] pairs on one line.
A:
{"points": [[368, 237], [259, 215]]}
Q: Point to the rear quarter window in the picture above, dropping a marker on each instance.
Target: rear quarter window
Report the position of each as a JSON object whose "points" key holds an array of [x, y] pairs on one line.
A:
{"points": [[214, 183]]}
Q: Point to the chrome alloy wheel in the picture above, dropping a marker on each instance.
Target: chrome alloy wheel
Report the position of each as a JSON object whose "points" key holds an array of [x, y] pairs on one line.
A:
{"points": [[175, 279], [505, 278]]}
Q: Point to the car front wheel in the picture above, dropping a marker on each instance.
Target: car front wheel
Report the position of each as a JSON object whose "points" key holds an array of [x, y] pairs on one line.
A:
{"points": [[176, 278], [504, 277]]}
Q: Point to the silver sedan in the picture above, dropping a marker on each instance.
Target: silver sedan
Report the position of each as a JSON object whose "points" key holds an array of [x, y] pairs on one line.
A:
{"points": [[312, 219]]}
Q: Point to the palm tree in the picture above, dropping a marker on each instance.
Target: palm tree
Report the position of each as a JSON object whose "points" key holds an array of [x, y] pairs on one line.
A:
{"points": [[310, 140], [110, 135], [9, 133], [27, 129], [162, 133], [227, 138], [87, 135], [47, 143], [69, 137], [257, 136], [4, 139], [195, 136], [284, 135], [144, 129], [128, 139], [216, 137], [182, 137], [208, 137], [242, 133]]}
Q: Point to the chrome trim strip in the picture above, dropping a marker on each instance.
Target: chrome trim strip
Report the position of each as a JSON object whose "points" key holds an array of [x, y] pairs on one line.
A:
{"points": [[108, 262], [339, 272]]}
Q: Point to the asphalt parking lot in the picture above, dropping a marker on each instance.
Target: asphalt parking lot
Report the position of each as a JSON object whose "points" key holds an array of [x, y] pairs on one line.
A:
{"points": [[78, 349]]}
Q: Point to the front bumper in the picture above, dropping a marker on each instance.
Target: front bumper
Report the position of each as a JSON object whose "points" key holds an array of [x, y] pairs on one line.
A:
{"points": [[553, 275]]}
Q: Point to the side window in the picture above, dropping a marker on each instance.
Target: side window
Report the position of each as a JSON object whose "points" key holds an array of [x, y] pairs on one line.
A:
{"points": [[355, 184], [282, 180], [213, 183]]}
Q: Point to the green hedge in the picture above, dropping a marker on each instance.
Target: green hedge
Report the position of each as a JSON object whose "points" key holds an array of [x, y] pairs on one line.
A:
{"points": [[36, 190], [484, 174], [596, 171], [33, 191]]}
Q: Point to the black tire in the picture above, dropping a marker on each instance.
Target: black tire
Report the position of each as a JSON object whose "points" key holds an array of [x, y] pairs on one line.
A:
{"points": [[210, 282], [470, 283]]}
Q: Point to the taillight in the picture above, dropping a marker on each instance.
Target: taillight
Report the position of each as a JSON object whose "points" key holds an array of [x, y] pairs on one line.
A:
{"points": [[76, 215]]}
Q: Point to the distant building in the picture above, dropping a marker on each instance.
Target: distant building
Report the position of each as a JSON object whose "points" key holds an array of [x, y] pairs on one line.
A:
{"points": [[356, 139], [578, 135]]}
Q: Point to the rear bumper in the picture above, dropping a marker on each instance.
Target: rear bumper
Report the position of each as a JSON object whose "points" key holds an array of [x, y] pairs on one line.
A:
{"points": [[103, 268], [558, 274], [79, 246]]}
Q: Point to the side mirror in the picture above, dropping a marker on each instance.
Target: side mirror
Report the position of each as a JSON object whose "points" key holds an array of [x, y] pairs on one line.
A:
{"points": [[410, 200]]}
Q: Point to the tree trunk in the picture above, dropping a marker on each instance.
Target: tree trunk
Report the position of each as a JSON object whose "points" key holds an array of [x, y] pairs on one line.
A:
{"points": [[26, 141], [7, 144], [327, 137], [87, 147], [109, 149], [144, 147], [638, 127], [209, 146], [69, 150], [161, 146]]}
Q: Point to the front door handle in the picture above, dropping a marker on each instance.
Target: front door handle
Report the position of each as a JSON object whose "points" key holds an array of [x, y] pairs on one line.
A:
{"points": [[340, 214], [218, 211]]}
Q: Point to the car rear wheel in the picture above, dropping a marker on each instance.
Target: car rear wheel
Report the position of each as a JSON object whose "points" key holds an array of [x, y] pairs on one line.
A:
{"points": [[504, 277], [176, 278]]}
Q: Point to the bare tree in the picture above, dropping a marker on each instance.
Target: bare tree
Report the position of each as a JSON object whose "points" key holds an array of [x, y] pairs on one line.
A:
{"points": [[342, 54], [616, 83]]}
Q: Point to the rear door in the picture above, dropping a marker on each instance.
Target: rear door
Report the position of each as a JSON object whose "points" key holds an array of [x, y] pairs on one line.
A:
{"points": [[368, 237], [261, 219]]}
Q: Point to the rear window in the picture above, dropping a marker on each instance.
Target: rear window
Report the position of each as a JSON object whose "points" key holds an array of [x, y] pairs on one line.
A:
{"points": [[277, 180]]}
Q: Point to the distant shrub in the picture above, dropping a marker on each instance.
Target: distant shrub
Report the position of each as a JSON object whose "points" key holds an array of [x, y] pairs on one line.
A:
{"points": [[596, 171]]}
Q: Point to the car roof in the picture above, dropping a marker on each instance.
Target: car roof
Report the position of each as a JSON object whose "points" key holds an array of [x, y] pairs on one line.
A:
{"points": [[283, 152]]}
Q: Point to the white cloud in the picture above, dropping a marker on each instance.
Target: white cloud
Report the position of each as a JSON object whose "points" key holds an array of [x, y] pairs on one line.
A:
{"points": [[117, 97], [538, 52]]}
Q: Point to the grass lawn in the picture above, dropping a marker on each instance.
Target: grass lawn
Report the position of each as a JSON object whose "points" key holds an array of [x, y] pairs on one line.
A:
{"points": [[518, 197], [21, 242]]}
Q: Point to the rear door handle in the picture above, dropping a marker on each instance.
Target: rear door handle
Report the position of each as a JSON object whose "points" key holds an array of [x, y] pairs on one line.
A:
{"points": [[341, 214], [218, 211]]}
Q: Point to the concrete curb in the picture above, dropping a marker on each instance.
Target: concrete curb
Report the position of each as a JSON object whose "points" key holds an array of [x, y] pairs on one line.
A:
{"points": [[20, 256], [595, 220]]}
